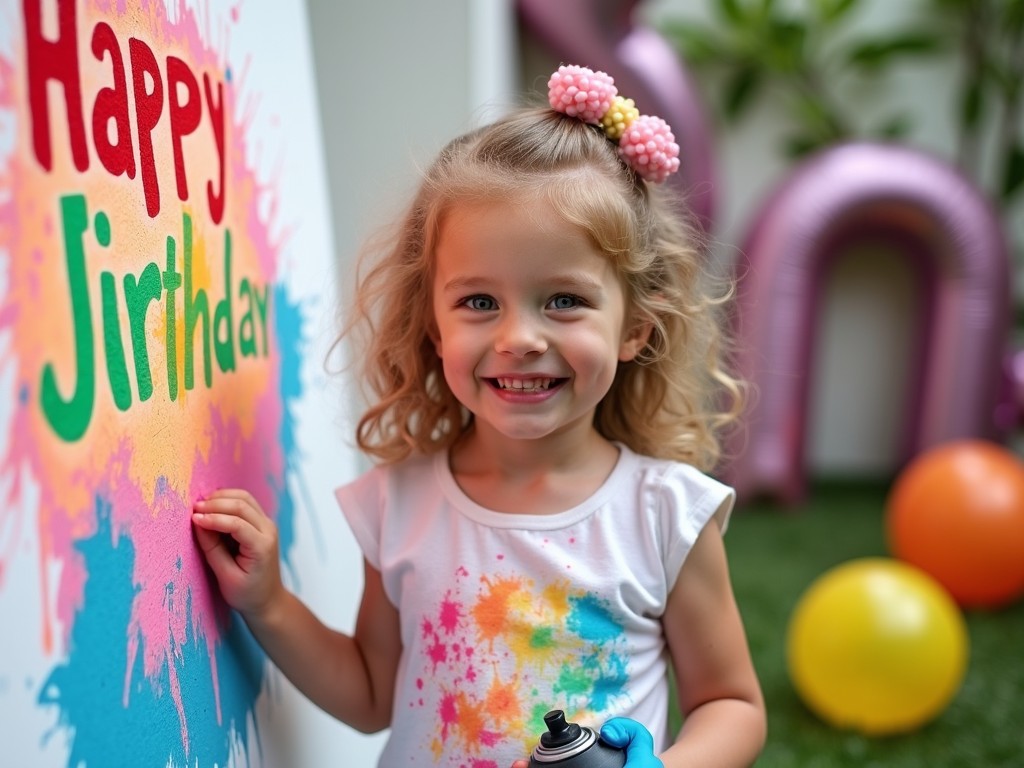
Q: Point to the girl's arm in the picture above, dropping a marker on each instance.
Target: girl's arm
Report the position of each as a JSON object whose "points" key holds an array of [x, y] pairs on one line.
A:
{"points": [[724, 714], [350, 677]]}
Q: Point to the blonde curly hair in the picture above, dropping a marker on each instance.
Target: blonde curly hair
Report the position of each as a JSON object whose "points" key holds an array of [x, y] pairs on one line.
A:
{"points": [[672, 401]]}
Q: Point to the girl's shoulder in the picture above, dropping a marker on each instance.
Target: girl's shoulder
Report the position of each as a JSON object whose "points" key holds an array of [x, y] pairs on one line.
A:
{"points": [[667, 486], [382, 479], [657, 471]]}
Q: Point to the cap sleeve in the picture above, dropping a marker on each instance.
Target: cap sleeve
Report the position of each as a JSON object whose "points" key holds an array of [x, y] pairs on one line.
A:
{"points": [[362, 502], [689, 499]]}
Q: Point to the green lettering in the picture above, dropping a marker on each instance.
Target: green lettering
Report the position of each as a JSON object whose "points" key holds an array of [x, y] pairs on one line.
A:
{"points": [[224, 343], [70, 417], [117, 371], [172, 281], [137, 297], [262, 303], [247, 325], [196, 306]]}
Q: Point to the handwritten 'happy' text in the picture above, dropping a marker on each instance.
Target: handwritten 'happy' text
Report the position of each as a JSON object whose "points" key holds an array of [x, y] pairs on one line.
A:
{"points": [[56, 60]]}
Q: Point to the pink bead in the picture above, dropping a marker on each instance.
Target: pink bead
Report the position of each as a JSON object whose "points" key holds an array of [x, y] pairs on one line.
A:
{"points": [[649, 148], [580, 92]]}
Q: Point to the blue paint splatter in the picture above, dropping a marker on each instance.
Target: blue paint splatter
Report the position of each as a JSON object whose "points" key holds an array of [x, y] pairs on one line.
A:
{"points": [[288, 324], [592, 621], [88, 688], [610, 683], [599, 676]]}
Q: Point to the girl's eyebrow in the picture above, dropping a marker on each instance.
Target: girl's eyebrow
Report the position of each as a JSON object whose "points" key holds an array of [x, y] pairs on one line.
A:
{"points": [[460, 283], [568, 281], [578, 282]]}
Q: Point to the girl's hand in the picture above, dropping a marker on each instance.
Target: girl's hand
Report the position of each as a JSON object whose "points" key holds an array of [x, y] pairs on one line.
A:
{"points": [[239, 542], [622, 732]]}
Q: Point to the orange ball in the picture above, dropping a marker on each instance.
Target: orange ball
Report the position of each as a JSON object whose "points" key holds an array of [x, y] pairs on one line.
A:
{"points": [[957, 512]]}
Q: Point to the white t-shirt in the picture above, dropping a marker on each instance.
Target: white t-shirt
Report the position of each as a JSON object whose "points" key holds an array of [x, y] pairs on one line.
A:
{"points": [[505, 617]]}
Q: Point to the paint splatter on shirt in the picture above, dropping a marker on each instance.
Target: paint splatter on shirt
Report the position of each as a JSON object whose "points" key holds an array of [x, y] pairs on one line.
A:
{"points": [[505, 617], [498, 652]]}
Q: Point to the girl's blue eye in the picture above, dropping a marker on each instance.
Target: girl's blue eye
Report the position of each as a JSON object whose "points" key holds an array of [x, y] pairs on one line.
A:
{"points": [[481, 303], [565, 301]]}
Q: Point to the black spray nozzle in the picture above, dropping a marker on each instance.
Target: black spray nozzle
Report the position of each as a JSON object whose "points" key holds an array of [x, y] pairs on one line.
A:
{"points": [[559, 732]]}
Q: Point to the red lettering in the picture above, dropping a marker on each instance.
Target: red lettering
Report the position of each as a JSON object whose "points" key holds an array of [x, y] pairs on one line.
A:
{"points": [[148, 106], [112, 105], [184, 116], [54, 60], [216, 111]]}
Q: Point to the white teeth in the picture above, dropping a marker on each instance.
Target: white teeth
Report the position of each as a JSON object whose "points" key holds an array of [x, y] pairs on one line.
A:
{"points": [[523, 385]]}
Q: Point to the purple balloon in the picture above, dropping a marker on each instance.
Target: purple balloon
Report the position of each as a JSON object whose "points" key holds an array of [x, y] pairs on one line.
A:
{"points": [[919, 205], [601, 34], [1010, 412]]}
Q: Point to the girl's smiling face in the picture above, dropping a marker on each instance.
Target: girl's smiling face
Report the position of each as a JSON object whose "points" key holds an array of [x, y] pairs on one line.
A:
{"points": [[530, 318]]}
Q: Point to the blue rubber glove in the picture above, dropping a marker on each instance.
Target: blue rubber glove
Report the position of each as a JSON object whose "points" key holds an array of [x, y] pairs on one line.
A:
{"points": [[622, 732]]}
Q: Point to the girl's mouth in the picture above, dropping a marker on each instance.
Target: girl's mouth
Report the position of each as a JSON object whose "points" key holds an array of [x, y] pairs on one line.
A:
{"points": [[525, 386]]}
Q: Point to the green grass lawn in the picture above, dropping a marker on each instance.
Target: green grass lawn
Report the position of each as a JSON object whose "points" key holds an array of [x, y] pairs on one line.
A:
{"points": [[776, 553]]}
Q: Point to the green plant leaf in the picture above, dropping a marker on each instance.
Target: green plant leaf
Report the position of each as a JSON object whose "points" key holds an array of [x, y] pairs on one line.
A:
{"points": [[832, 11], [1001, 74], [800, 145], [740, 91], [959, 7], [1013, 16], [697, 44], [1013, 172], [731, 11], [895, 127], [784, 45], [812, 113], [872, 54], [972, 105]]}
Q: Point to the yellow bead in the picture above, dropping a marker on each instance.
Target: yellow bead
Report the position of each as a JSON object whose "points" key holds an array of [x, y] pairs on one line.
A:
{"points": [[618, 117]]}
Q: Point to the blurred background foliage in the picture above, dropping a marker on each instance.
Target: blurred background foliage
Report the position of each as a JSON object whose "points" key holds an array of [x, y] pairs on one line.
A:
{"points": [[802, 57]]}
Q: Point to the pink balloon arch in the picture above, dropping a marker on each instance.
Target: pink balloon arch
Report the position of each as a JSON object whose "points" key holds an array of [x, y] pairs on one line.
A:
{"points": [[922, 208], [602, 34]]}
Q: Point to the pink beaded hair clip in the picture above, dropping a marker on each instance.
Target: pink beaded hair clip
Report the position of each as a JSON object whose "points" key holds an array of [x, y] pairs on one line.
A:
{"points": [[646, 143]]}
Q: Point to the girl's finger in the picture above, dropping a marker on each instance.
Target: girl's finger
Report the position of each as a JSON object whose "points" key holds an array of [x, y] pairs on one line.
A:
{"points": [[240, 507], [212, 545], [236, 493], [238, 528]]}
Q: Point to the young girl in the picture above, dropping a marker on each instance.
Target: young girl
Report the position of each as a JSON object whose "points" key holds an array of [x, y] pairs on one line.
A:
{"points": [[538, 533]]}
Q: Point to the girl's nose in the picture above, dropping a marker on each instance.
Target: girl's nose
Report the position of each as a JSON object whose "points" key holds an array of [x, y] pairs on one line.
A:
{"points": [[519, 334]]}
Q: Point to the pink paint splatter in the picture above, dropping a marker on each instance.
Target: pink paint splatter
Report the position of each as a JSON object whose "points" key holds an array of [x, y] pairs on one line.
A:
{"points": [[451, 615], [448, 712], [438, 653]]}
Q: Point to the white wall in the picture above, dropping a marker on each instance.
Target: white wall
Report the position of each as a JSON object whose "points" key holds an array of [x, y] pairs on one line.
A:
{"points": [[397, 79]]}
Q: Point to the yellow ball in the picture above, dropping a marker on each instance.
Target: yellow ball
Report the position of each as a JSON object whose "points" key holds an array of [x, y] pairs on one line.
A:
{"points": [[878, 646]]}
